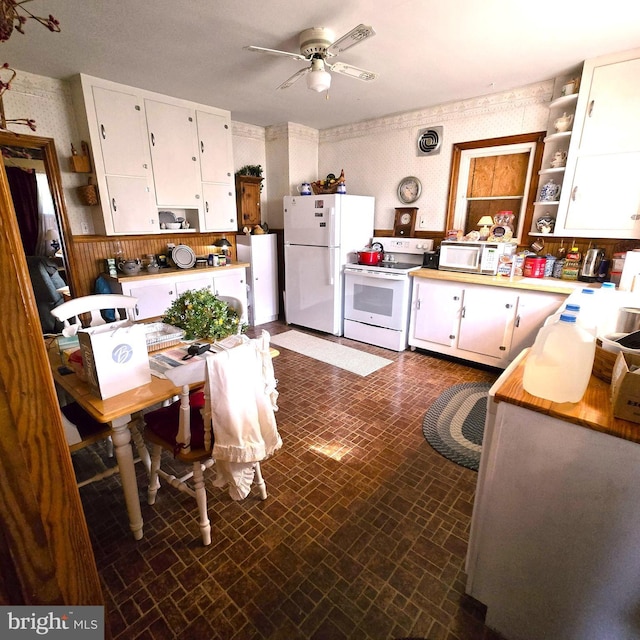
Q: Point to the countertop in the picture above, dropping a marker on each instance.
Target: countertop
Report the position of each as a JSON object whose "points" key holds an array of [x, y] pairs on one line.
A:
{"points": [[548, 285], [175, 271], [593, 412]]}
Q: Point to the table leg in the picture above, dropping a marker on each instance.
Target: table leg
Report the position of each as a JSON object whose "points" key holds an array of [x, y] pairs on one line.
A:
{"points": [[124, 455], [136, 427]]}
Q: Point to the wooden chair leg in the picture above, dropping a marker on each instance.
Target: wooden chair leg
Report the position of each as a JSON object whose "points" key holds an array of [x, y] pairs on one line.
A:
{"points": [[201, 499], [154, 482], [260, 483]]}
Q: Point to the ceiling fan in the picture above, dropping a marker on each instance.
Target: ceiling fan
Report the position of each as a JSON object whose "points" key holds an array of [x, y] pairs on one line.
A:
{"points": [[316, 46]]}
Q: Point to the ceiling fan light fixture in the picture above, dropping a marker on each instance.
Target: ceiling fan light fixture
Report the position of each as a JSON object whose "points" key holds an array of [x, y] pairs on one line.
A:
{"points": [[318, 79]]}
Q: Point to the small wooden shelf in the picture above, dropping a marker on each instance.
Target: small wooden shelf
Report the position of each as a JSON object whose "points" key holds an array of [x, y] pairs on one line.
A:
{"points": [[497, 198]]}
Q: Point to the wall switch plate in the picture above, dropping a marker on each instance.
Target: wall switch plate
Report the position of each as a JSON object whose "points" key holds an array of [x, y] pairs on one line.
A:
{"points": [[422, 221]]}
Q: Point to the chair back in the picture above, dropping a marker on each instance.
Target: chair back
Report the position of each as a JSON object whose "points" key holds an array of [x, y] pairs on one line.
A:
{"points": [[237, 306], [92, 305]]}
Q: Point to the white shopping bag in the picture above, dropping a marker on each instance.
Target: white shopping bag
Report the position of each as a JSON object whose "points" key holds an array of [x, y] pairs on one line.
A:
{"points": [[115, 357]]}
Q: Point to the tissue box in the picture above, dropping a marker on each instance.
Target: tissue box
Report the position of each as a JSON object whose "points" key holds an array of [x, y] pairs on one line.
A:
{"points": [[115, 357], [625, 387]]}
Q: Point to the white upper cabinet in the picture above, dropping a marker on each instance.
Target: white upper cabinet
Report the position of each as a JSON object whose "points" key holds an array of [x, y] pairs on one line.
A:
{"points": [[173, 143], [601, 191], [214, 141], [219, 207], [180, 151], [122, 132], [130, 205], [612, 123]]}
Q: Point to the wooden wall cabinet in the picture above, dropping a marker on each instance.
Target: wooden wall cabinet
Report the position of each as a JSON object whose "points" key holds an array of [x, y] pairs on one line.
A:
{"points": [[248, 201]]}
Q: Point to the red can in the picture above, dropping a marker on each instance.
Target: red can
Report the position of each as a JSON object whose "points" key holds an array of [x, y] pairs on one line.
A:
{"points": [[534, 267]]}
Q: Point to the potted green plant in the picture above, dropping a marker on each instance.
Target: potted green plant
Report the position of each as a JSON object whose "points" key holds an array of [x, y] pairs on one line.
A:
{"points": [[203, 316]]}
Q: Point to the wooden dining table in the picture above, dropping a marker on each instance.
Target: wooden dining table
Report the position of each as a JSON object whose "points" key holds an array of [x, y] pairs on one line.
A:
{"points": [[121, 412], [124, 414]]}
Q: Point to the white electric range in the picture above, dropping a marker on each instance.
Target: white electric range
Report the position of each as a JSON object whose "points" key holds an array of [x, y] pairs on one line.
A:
{"points": [[377, 300]]}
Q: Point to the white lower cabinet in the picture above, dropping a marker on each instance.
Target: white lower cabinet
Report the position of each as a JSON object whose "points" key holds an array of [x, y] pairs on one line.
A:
{"points": [[484, 324], [261, 252], [156, 293]]}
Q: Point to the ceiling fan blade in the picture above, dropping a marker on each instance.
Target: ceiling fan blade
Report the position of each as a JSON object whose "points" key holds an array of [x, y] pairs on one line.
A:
{"points": [[353, 72], [288, 54], [295, 77], [353, 37]]}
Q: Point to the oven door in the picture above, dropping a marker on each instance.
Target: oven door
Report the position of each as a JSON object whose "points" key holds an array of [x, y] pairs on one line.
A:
{"points": [[377, 298]]}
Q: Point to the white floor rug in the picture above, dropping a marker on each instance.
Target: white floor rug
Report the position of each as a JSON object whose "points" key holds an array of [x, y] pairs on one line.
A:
{"points": [[338, 355]]}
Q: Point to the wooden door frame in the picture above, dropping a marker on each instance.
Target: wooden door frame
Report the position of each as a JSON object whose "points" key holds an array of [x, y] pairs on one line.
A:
{"points": [[459, 147], [46, 556]]}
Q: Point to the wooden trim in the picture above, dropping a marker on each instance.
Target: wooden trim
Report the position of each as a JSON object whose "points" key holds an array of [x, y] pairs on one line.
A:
{"points": [[44, 545], [459, 147], [50, 158]]}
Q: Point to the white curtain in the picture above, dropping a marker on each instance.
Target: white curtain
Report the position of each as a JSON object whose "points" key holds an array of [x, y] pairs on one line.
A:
{"points": [[47, 213]]}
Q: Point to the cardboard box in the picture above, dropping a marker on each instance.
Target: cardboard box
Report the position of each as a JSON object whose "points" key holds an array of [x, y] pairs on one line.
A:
{"points": [[115, 357], [625, 387]]}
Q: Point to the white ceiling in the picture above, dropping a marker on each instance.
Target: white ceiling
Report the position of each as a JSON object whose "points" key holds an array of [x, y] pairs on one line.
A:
{"points": [[427, 52]]}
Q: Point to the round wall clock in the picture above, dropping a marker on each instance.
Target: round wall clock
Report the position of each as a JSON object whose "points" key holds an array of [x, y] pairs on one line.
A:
{"points": [[409, 189]]}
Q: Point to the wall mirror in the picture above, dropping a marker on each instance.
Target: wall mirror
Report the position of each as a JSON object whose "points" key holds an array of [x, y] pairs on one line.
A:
{"points": [[492, 176], [38, 155]]}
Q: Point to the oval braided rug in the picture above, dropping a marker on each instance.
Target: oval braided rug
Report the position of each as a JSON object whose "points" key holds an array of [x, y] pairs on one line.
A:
{"points": [[454, 423]]}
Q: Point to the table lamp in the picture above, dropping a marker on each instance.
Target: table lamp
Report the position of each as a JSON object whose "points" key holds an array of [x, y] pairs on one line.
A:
{"points": [[485, 223], [225, 245], [52, 242]]}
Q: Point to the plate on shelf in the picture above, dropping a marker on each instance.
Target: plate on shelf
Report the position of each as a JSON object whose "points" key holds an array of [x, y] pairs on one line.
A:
{"points": [[183, 256], [166, 217]]}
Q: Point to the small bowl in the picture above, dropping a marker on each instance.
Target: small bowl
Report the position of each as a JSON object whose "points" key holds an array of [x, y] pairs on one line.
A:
{"points": [[174, 225]]}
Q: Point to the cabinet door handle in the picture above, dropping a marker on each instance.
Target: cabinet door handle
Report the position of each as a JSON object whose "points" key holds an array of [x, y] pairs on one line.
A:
{"points": [[573, 193], [201, 146], [508, 306], [103, 133], [591, 105], [517, 322], [463, 312], [456, 297], [501, 348], [206, 206], [113, 204], [418, 304], [153, 140]]}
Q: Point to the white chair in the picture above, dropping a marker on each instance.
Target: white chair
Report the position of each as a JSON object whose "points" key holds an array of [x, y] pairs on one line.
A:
{"points": [[81, 429], [231, 424], [238, 307]]}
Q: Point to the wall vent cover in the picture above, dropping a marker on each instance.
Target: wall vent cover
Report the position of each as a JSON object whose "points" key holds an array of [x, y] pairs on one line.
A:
{"points": [[430, 141]]}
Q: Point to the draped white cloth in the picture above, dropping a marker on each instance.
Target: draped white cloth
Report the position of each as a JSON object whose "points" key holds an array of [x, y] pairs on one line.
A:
{"points": [[243, 401]]}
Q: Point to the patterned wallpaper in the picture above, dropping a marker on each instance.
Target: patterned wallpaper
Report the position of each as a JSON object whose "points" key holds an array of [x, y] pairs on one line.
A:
{"points": [[48, 102], [374, 154]]}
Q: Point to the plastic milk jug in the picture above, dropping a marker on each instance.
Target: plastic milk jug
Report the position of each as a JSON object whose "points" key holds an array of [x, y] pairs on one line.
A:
{"points": [[559, 365]]}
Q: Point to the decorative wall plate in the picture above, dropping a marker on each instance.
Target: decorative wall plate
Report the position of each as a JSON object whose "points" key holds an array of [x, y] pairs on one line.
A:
{"points": [[183, 256]]}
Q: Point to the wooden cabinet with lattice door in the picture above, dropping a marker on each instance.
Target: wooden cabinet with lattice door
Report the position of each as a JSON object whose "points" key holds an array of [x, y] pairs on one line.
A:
{"points": [[248, 201]]}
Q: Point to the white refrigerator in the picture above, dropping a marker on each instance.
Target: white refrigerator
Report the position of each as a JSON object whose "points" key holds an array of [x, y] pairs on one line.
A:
{"points": [[321, 234]]}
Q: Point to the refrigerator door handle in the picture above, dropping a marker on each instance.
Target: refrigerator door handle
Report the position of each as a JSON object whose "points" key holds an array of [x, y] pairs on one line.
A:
{"points": [[333, 242], [331, 265]]}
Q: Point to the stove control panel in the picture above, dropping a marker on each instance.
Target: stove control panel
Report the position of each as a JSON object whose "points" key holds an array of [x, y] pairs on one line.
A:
{"points": [[405, 245]]}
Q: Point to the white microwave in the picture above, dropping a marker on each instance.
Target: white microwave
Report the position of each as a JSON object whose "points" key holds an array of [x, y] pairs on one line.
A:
{"points": [[473, 257]]}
